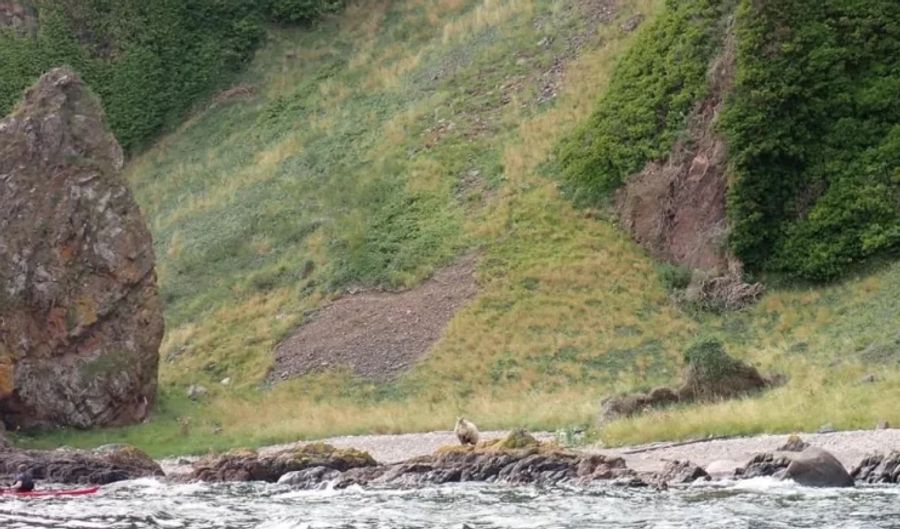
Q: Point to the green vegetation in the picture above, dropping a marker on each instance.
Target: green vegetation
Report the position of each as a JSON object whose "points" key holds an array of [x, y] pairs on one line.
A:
{"points": [[708, 358], [392, 138], [296, 11], [653, 90], [814, 133], [148, 61]]}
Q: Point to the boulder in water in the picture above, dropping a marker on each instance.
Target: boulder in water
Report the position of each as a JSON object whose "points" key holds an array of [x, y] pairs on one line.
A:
{"points": [[815, 467]]}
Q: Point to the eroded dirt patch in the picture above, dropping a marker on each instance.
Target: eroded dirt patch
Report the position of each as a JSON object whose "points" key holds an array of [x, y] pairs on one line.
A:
{"points": [[376, 334], [676, 208]]}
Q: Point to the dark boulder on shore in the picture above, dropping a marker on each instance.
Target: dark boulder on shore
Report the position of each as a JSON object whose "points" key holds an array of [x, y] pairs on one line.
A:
{"points": [[878, 468], [815, 467], [681, 472], [797, 460], [67, 465]]}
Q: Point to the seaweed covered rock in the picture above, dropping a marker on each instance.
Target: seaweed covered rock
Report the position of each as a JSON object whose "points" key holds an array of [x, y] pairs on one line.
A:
{"points": [[65, 465], [249, 465], [80, 316]]}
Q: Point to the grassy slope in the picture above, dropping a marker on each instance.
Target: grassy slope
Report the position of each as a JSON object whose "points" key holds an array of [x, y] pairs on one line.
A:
{"points": [[344, 168]]}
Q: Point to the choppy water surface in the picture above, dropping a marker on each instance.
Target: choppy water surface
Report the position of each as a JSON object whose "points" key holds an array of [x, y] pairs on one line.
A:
{"points": [[754, 504]]}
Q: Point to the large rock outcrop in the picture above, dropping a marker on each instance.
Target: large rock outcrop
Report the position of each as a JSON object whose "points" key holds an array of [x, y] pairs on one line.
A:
{"points": [[106, 464], [80, 316], [517, 459]]}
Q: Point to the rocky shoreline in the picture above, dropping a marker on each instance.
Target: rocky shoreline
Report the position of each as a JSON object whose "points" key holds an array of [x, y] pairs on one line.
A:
{"points": [[515, 458]]}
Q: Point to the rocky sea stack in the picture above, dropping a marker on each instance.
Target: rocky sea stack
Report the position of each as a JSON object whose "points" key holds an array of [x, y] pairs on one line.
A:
{"points": [[80, 315]]}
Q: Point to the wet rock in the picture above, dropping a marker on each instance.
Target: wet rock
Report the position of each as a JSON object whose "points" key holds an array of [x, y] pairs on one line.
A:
{"points": [[681, 472], [878, 468], [66, 465], [309, 478], [772, 463], [542, 464], [764, 464], [815, 467], [80, 316], [797, 460], [248, 465]]}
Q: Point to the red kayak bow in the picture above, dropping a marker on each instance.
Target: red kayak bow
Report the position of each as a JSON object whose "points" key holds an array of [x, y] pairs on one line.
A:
{"points": [[49, 493]]}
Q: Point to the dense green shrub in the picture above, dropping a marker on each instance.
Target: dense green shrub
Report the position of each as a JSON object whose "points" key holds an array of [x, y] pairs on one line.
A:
{"points": [[707, 357], [297, 11], [814, 134], [651, 93], [148, 61]]}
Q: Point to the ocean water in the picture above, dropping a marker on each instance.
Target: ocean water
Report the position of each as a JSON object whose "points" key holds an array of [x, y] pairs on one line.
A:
{"points": [[758, 504]]}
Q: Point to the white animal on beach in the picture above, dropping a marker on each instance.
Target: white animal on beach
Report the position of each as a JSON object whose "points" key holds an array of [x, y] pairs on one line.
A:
{"points": [[466, 431]]}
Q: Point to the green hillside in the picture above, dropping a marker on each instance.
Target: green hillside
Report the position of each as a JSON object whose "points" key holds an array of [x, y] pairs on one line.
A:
{"points": [[380, 144]]}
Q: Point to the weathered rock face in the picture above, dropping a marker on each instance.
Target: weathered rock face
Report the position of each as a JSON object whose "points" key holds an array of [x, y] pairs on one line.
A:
{"points": [[100, 466], [878, 468], [80, 317]]}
